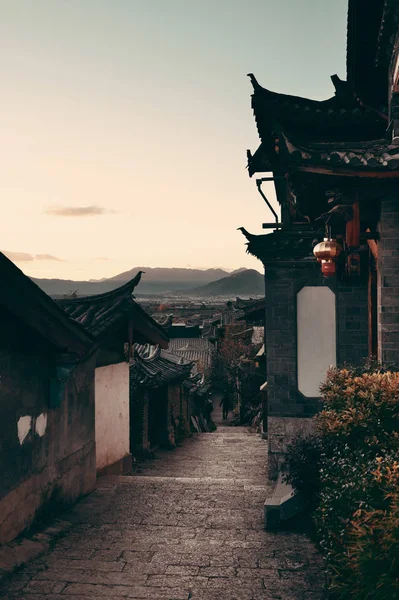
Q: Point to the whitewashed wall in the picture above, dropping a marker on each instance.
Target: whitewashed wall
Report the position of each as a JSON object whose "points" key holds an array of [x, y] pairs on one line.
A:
{"points": [[112, 413], [316, 337]]}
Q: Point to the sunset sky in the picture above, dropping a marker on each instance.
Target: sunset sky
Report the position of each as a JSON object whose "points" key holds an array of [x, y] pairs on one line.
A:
{"points": [[125, 124]]}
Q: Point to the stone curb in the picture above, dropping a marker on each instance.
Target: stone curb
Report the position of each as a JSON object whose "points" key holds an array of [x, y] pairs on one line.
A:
{"points": [[21, 551], [24, 549]]}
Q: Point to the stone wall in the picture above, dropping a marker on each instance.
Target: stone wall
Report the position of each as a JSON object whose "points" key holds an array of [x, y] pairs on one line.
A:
{"points": [[388, 282], [282, 284], [289, 410], [47, 456], [352, 323]]}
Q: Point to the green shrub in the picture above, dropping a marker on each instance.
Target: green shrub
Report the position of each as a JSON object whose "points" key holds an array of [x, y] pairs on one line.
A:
{"points": [[373, 537], [302, 461], [351, 466], [361, 411], [357, 522]]}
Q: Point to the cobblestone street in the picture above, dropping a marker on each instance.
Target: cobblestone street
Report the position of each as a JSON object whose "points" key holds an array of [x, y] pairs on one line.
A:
{"points": [[188, 524]]}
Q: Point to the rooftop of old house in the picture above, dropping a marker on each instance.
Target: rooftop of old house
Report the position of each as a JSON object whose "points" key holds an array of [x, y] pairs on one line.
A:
{"points": [[21, 297], [249, 310], [154, 367], [197, 350], [103, 312], [352, 129]]}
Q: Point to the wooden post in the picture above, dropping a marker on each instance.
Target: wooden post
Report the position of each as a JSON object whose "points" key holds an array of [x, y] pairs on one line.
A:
{"points": [[130, 334], [353, 226], [372, 306]]}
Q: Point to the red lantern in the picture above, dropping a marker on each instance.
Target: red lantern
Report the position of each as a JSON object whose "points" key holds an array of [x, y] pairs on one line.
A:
{"points": [[327, 253]]}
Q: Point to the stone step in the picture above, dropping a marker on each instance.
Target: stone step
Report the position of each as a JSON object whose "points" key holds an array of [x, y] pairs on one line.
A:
{"points": [[282, 505]]}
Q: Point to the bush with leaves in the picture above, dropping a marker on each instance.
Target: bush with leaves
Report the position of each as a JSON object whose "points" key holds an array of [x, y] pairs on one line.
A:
{"points": [[361, 411], [357, 522], [372, 553], [350, 467], [302, 463], [359, 428]]}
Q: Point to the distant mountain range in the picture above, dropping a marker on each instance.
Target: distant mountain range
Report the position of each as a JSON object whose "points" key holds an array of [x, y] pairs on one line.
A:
{"points": [[160, 280], [246, 282]]}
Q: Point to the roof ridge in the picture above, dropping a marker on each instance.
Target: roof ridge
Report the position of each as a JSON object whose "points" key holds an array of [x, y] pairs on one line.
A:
{"points": [[76, 330], [152, 354], [124, 290], [278, 96]]}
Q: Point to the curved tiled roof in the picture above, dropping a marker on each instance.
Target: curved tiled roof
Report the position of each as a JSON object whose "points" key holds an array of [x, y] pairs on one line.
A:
{"points": [[277, 246], [197, 350], [153, 367], [165, 321], [96, 313], [374, 155], [100, 312], [341, 117], [194, 343], [246, 309], [23, 298]]}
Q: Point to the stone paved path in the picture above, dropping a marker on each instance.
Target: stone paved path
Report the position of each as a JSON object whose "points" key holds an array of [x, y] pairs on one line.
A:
{"points": [[186, 525]]}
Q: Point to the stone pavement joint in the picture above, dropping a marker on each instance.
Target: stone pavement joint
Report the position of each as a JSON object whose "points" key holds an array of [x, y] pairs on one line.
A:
{"points": [[188, 525]]}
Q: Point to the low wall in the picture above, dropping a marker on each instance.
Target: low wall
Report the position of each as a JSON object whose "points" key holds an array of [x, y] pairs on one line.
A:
{"points": [[112, 415]]}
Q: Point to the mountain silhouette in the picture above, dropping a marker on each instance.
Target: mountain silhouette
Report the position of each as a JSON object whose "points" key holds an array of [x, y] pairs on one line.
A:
{"points": [[154, 281], [246, 283]]}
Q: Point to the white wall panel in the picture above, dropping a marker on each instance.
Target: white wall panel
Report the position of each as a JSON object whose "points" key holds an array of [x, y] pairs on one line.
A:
{"points": [[112, 413], [316, 337]]}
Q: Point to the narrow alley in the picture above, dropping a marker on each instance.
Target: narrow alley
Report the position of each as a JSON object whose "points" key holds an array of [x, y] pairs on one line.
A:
{"points": [[187, 524]]}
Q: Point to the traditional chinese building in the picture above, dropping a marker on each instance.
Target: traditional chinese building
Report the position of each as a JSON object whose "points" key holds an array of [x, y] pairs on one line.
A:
{"points": [[335, 168], [115, 321], [251, 311], [47, 363], [158, 401]]}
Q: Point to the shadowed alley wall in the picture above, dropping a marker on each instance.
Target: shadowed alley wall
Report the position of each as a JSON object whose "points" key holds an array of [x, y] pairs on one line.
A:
{"points": [[47, 455]]}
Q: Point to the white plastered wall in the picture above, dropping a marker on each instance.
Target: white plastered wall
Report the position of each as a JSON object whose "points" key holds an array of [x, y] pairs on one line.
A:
{"points": [[316, 337], [112, 413]]}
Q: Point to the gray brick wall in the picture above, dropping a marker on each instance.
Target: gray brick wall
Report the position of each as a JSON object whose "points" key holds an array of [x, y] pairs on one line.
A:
{"points": [[388, 282], [352, 323], [281, 286]]}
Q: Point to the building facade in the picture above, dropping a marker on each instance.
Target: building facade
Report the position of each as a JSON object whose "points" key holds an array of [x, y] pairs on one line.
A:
{"points": [[115, 321], [335, 168], [47, 362], [158, 399]]}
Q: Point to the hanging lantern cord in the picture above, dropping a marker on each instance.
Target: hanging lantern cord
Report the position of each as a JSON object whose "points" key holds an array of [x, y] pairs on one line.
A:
{"points": [[328, 231]]}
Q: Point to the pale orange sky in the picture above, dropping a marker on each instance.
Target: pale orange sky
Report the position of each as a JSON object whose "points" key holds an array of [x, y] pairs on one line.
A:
{"points": [[125, 126]]}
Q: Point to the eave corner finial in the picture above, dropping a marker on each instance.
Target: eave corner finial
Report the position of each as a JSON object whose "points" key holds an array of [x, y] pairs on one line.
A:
{"points": [[340, 85], [246, 233], [254, 82]]}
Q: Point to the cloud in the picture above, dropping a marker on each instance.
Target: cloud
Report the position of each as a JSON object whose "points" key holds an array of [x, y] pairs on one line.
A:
{"points": [[25, 257], [19, 256], [77, 211], [47, 257]]}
